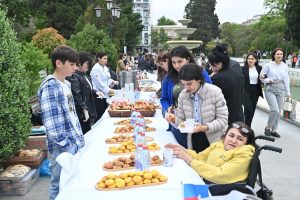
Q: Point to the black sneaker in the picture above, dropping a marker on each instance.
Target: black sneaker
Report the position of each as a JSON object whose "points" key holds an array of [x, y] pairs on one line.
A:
{"points": [[267, 131], [275, 134]]}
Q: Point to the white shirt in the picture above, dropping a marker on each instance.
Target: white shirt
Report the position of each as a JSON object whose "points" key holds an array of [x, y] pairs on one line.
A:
{"points": [[253, 75], [69, 102], [101, 79]]}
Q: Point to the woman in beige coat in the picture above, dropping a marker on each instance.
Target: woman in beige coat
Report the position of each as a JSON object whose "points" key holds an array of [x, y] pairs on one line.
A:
{"points": [[203, 102]]}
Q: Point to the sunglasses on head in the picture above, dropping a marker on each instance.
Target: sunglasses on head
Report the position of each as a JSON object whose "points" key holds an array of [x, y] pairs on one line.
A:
{"points": [[243, 129]]}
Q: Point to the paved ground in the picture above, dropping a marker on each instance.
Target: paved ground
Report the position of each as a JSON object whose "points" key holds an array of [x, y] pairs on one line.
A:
{"points": [[280, 171]]}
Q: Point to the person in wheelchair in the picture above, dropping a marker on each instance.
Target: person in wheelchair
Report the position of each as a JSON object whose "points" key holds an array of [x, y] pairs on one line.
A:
{"points": [[225, 161]]}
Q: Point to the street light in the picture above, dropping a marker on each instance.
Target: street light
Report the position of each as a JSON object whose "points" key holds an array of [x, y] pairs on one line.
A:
{"points": [[115, 13], [115, 10]]}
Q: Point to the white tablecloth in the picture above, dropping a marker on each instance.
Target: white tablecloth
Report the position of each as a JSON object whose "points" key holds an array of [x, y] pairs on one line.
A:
{"points": [[87, 169]]}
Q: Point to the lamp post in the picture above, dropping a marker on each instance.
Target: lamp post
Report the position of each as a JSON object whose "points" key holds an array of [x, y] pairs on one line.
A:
{"points": [[115, 13]]}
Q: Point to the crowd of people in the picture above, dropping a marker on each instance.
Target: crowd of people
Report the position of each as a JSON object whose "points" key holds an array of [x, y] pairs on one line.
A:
{"points": [[219, 95]]}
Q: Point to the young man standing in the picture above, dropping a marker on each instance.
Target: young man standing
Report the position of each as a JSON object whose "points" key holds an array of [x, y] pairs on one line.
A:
{"points": [[58, 113]]}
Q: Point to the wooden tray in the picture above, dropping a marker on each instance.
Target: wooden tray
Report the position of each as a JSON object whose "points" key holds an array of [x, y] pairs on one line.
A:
{"points": [[132, 132], [127, 113], [149, 139], [148, 121], [118, 154], [127, 168], [130, 187]]}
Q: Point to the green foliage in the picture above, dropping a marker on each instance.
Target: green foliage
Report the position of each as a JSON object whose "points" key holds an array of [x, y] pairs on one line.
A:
{"points": [[276, 7], [62, 14], [34, 60], [48, 39], [159, 38], [14, 116], [93, 40], [124, 31], [204, 19], [293, 19], [18, 11], [165, 21]]}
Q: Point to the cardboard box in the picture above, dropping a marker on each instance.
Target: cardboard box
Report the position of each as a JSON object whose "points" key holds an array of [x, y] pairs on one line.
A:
{"points": [[36, 142]]}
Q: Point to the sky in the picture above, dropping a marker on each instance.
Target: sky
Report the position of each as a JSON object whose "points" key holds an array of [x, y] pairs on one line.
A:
{"points": [[236, 11]]}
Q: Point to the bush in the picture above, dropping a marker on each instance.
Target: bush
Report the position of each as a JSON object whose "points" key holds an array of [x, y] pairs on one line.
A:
{"points": [[47, 40], [34, 60], [92, 40], [14, 116]]}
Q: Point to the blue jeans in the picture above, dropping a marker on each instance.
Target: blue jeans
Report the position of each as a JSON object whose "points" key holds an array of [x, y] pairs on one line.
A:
{"points": [[180, 137], [55, 169]]}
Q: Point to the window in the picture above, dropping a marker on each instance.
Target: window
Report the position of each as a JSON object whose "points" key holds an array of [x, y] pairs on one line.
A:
{"points": [[146, 39]]}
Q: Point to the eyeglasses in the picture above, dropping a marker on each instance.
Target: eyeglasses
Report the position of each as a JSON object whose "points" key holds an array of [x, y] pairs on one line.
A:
{"points": [[243, 129]]}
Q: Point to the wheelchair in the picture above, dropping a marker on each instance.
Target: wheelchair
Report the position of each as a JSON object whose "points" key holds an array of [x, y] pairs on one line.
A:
{"points": [[254, 176]]}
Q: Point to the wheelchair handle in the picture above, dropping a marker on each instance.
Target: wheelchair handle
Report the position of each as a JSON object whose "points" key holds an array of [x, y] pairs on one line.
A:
{"points": [[264, 137], [271, 148]]}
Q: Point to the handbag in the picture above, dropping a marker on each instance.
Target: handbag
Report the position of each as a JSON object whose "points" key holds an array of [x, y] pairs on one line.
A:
{"points": [[287, 104]]}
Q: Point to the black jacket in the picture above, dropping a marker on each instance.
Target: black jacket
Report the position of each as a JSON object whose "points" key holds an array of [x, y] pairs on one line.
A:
{"points": [[83, 95], [247, 80], [231, 84]]}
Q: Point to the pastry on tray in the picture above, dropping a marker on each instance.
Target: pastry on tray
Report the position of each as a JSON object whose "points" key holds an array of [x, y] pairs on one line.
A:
{"points": [[117, 139], [127, 122], [130, 129], [129, 147], [124, 163], [131, 179]]}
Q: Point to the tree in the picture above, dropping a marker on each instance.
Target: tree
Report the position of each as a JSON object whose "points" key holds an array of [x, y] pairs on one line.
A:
{"points": [[276, 7], [165, 21], [62, 14], [15, 123], [125, 31], [293, 18], [47, 40], [201, 12], [34, 60], [159, 38], [93, 40]]}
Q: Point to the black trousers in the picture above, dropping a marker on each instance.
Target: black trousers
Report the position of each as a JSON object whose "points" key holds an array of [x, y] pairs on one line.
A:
{"points": [[200, 141], [250, 102], [101, 106], [85, 126]]}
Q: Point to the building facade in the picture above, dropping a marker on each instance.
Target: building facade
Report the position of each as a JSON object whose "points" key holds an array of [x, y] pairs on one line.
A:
{"points": [[143, 7]]}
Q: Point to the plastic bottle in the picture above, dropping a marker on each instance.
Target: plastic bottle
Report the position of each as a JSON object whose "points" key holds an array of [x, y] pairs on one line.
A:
{"points": [[138, 158], [133, 118], [145, 159], [141, 121], [140, 139]]}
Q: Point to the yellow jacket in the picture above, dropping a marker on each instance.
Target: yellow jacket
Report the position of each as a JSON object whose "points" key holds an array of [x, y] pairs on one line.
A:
{"points": [[217, 165]]}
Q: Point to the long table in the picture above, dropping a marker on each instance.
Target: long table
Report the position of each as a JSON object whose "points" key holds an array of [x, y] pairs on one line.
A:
{"points": [[86, 170]]}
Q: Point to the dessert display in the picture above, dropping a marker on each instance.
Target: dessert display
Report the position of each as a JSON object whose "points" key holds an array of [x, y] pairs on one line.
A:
{"points": [[130, 128], [131, 179], [123, 138], [123, 108], [129, 147], [127, 122], [124, 163], [147, 89]]}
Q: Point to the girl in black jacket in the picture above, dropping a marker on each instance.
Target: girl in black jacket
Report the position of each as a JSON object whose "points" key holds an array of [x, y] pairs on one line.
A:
{"points": [[252, 86], [83, 92]]}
